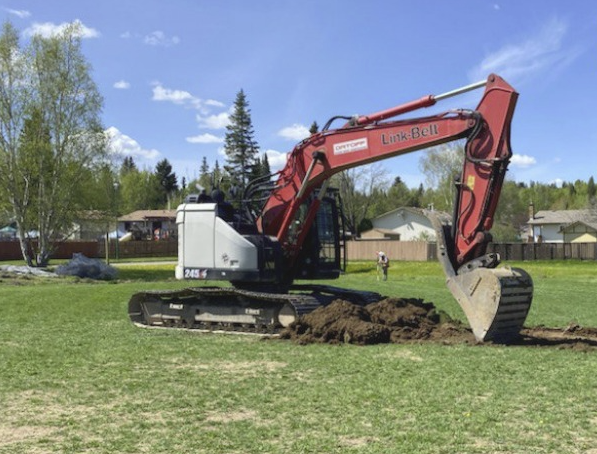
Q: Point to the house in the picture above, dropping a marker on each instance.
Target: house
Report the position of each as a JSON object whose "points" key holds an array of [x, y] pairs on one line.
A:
{"points": [[563, 226], [149, 224], [90, 225], [404, 224]]}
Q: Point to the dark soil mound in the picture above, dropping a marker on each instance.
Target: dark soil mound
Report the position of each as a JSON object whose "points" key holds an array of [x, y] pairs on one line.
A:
{"points": [[399, 320], [390, 320]]}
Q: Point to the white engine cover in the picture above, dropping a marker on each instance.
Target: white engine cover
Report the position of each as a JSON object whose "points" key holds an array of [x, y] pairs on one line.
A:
{"points": [[207, 242]]}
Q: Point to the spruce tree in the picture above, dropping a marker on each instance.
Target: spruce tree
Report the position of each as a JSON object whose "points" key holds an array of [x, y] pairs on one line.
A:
{"points": [[239, 144], [265, 168], [128, 165], [205, 177], [167, 179]]}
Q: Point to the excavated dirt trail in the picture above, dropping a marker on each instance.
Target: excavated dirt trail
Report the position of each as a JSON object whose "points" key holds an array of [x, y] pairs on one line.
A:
{"points": [[398, 320]]}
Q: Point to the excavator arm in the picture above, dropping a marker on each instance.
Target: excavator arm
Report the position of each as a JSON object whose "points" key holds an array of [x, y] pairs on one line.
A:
{"points": [[496, 302]]}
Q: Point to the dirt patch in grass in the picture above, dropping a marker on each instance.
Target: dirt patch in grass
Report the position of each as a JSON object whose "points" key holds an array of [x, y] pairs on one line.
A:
{"points": [[399, 320], [233, 416]]}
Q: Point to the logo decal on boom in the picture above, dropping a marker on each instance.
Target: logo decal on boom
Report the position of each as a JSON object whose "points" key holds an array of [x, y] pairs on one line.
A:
{"points": [[413, 133], [351, 146]]}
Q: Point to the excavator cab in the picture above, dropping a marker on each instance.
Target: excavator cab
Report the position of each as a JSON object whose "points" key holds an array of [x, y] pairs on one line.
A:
{"points": [[322, 250]]}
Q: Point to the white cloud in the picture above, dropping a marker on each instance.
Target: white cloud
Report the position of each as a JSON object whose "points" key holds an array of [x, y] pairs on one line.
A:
{"points": [[522, 161], [205, 138], [159, 38], [219, 121], [49, 29], [184, 98], [122, 85], [214, 103], [536, 54], [276, 159], [21, 13], [558, 182], [176, 96], [123, 145], [295, 132]]}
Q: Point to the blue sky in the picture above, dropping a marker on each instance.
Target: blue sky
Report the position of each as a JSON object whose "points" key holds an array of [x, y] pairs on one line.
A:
{"points": [[170, 70]]}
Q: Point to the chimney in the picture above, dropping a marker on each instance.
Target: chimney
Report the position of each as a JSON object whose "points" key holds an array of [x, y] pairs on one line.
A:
{"points": [[531, 211]]}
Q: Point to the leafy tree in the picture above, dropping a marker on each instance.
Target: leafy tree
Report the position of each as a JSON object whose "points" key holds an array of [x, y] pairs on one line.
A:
{"points": [[441, 165], [358, 188], [591, 192], [240, 146], [400, 195], [511, 214], [140, 190], [50, 134], [314, 129]]}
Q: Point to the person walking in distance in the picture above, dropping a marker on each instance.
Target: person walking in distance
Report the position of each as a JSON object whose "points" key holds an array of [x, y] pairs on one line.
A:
{"points": [[382, 265]]}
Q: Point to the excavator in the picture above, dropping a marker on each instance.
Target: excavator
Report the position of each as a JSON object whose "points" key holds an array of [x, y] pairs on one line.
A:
{"points": [[290, 227]]}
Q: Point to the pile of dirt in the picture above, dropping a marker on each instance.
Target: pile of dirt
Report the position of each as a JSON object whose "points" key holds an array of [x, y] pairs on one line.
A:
{"points": [[399, 320], [392, 320]]}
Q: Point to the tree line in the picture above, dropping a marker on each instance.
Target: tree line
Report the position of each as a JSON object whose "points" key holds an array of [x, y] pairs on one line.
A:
{"points": [[55, 162]]}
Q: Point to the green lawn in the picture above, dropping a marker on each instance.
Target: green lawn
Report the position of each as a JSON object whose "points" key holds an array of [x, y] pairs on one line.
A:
{"points": [[76, 376]]}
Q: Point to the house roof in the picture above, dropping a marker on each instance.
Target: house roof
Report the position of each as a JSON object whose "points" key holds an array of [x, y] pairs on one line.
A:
{"points": [[148, 215], [563, 217], [590, 225], [419, 211], [382, 231]]}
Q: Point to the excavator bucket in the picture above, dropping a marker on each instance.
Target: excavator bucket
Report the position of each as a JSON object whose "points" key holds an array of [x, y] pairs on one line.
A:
{"points": [[496, 301]]}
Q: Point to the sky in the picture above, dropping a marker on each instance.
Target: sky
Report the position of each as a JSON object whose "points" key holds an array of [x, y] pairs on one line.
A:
{"points": [[169, 71]]}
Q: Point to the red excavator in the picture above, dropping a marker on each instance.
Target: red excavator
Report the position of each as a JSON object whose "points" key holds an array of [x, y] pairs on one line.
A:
{"points": [[290, 227]]}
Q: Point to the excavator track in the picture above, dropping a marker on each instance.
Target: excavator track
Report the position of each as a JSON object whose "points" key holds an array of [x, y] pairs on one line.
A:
{"points": [[232, 310]]}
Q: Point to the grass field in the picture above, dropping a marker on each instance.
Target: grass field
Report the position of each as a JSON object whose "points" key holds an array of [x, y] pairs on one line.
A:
{"points": [[77, 377]]}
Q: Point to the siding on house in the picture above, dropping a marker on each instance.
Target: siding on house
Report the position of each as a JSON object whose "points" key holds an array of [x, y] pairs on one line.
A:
{"points": [[410, 223]]}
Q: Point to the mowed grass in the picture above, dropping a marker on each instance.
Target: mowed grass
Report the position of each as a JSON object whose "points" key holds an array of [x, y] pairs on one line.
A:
{"points": [[76, 376]]}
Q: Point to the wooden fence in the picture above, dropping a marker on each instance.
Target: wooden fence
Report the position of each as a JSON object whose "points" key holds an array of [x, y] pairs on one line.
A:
{"points": [[11, 250], [545, 251], [419, 251], [130, 249]]}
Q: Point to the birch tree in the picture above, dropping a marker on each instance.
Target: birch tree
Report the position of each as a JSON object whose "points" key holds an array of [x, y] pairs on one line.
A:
{"points": [[51, 135]]}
